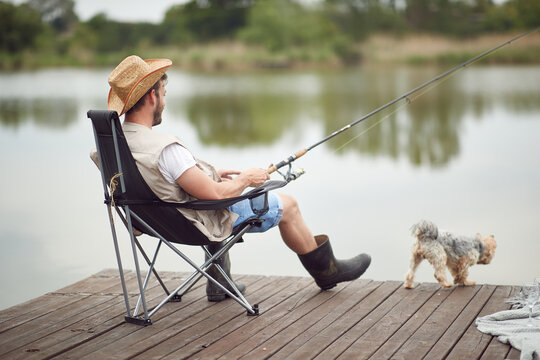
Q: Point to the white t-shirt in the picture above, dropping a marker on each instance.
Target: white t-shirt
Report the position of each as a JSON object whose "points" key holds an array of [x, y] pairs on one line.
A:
{"points": [[174, 161]]}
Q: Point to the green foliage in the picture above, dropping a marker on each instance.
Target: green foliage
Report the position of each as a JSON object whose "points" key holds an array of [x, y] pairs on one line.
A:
{"points": [[20, 27], [444, 16], [528, 13], [104, 35], [60, 14], [284, 24], [199, 20], [358, 18], [273, 24], [281, 32]]}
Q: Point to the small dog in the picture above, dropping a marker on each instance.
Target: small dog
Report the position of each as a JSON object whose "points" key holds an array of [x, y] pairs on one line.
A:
{"points": [[444, 249]]}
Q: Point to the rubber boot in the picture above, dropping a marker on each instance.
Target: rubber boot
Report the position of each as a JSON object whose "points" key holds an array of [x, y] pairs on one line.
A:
{"points": [[327, 270], [213, 292]]}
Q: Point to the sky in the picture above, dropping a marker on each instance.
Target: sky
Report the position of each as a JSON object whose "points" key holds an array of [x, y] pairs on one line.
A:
{"points": [[125, 10], [122, 10], [128, 10]]}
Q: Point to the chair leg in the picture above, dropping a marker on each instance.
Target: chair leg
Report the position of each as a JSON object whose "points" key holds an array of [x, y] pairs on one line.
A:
{"points": [[199, 272], [119, 262], [142, 296], [221, 271]]}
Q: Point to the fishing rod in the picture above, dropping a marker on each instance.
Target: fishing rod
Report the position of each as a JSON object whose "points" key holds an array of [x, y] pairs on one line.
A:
{"points": [[294, 175]]}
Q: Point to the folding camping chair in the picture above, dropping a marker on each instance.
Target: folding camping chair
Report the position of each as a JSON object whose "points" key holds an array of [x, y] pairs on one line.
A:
{"points": [[140, 208]]}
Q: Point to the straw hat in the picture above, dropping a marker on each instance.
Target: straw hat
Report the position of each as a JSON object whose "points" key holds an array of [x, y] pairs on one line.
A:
{"points": [[131, 79]]}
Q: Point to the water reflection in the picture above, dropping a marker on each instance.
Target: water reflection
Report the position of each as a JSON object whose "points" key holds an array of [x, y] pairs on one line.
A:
{"points": [[49, 113], [258, 109], [242, 120], [426, 133]]}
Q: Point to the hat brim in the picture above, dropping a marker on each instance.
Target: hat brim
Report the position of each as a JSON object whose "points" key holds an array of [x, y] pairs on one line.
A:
{"points": [[158, 67]]}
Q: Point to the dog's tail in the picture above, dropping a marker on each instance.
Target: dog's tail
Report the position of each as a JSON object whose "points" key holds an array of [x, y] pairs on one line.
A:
{"points": [[425, 230]]}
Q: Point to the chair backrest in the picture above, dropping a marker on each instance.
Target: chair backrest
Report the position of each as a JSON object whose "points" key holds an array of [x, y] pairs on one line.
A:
{"points": [[115, 159]]}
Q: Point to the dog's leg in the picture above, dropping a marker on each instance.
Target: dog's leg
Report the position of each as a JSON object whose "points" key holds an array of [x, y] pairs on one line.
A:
{"points": [[452, 266], [416, 259], [437, 258], [462, 271]]}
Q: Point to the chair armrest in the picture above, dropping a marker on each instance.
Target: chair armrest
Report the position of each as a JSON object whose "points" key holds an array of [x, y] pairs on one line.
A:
{"points": [[224, 203], [207, 204]]}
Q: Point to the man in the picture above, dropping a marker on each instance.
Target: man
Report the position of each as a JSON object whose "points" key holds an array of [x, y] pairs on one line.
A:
{"points": [[171, 171]]}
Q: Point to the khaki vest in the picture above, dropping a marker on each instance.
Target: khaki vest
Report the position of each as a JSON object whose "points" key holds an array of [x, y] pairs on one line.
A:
{"points": [[146, 146]]}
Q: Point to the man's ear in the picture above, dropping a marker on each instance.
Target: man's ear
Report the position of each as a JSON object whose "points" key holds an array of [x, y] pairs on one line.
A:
{"points": [[152, 97]]}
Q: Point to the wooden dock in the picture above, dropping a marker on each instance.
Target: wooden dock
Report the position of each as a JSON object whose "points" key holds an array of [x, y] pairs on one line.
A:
{"points": [[363, 319]]}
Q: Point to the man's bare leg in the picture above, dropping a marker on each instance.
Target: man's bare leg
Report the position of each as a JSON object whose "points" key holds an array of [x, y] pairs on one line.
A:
{"points": [[293, 228]]}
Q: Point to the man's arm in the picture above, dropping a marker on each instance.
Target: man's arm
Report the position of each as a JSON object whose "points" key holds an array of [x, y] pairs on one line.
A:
{"points": [[196, 183]]}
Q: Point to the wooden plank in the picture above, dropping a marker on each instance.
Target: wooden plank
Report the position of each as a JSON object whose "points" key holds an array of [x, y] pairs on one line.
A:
{"points": [[309, 318], [367, 322], [192, 302], [456, 330], [51, 302], [421, 342], [33, 325], [102, 282], [318, 342], [410, 302], [495, 348], [25, 338], [80, 307], [193, 341], [26, 311], [473, 343], [513, 354], [358, 320], [404, 333], [158, 335], [88, 323], [226, 337]]}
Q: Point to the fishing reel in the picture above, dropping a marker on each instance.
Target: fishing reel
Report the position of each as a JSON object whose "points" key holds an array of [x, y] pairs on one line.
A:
{"points": [[291, 175]]}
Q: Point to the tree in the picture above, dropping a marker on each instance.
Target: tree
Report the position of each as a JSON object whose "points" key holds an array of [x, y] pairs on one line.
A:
{"points": [[205, 20], [454, 17], [279, 24], [19, 27], [528, 13], [59, 13], [359, 18]]}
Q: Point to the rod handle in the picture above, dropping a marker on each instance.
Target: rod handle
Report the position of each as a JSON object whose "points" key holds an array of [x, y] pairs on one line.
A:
{"points": [[272, 168], [300, 153], [296, 155]]}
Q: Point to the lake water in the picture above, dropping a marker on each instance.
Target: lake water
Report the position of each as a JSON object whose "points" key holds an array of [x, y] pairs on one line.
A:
{"points": [[466, 155]]}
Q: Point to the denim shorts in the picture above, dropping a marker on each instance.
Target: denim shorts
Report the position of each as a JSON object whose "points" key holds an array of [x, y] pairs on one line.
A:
{"points": [[271, 218]]}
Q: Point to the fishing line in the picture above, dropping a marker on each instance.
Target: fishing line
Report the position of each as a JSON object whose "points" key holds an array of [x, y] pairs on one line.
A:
{"points": [[410, 99], [407, 101], [425, 87]]}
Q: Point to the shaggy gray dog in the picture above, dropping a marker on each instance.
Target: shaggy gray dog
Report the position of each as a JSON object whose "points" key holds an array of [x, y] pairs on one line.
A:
{"points": [[446, 250]]}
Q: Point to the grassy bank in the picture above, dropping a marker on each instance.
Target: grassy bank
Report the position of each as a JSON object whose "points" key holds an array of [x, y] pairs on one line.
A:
{"points": [[412, 49], [429, 49]]}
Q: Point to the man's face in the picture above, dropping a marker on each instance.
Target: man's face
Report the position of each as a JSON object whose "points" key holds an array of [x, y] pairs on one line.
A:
{"points": [[160, 104]]}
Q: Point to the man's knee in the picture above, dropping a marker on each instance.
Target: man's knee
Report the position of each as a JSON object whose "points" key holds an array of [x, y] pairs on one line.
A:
{"points": [[290, 206]]}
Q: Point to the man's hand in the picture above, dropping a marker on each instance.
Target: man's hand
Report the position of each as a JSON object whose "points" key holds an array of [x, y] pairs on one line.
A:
{"points": [[225, 174], [196, 183], [255, 176]]}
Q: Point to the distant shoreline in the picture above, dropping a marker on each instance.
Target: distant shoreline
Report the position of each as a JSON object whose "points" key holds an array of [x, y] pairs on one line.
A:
{"points": [[382, 49]]}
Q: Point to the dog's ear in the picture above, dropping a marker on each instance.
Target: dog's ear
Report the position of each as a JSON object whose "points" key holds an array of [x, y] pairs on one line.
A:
{"points": [[479, 236]]}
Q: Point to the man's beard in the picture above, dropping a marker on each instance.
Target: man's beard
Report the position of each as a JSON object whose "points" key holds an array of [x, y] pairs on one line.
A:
{"points": [[157, 113]]}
